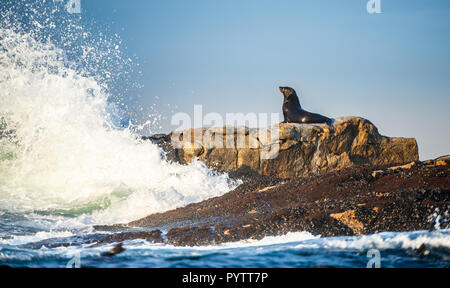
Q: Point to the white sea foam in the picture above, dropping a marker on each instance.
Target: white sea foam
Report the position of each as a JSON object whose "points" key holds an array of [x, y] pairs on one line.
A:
{"points": [[387, 240], [39, 236], [292, 237]]}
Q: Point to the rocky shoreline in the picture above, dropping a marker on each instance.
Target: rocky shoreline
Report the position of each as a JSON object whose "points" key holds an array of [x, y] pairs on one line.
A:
{"points": [[351, 201], [339, 180]]}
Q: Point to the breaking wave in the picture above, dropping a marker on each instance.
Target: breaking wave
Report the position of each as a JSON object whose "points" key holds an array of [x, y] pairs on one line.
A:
{"points": [[61, 152]]}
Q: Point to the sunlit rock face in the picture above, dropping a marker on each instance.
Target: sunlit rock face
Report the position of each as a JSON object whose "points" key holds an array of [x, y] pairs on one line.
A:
{"points": [[291, 150]]}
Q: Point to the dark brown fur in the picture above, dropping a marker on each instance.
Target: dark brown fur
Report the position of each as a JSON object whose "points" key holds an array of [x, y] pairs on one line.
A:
{"points": [[293, 112]]}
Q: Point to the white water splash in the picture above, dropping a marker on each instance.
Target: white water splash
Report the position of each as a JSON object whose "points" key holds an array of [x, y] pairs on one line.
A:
{"points": [[60, 153], [386, 240]]}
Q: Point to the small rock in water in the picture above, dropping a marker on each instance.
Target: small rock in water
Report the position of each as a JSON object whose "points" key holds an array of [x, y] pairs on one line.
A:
{"points": [[114, 251]]}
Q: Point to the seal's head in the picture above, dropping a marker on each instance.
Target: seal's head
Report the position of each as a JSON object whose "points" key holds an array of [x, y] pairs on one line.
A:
{"points": [[287, 92]]}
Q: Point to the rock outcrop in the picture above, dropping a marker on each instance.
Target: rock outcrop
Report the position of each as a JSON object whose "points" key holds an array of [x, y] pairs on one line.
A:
{"points": [[344, 179], [290, 150]]}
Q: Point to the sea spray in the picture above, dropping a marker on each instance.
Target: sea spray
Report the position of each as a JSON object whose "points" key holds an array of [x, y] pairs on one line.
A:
{"points": [[62, 155]]}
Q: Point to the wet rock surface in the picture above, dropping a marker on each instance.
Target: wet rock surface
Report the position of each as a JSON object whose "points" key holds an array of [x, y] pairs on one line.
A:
{"points": [[352, 201], [152, 236]]}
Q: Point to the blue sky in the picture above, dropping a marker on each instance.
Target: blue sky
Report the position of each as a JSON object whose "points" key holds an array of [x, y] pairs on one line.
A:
{"points": [[392, 68]]}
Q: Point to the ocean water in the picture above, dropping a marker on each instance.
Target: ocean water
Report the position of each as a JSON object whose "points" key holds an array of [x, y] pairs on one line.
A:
{"points": [[68, 249], [66, 165]]}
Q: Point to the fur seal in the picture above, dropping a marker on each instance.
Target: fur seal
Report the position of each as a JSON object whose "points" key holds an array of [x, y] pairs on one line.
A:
{"points": [[114, 251], [293, 112]]}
